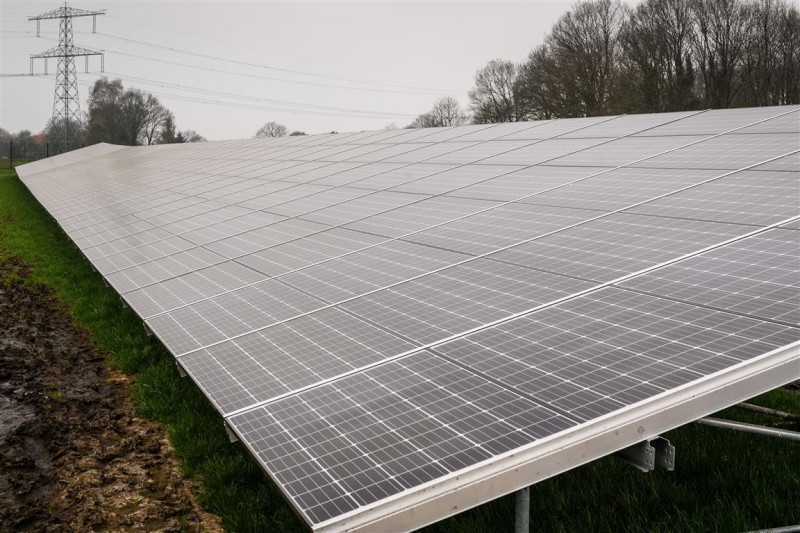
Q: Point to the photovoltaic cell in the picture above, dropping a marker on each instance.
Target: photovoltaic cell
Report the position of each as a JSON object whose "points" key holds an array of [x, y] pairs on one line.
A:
{"points": [[456, 178], [789, 163], [460, 298], [619, 188], [391, 428], [758, 276], [628, 125], [792, 225], [624, 151], [297, 353], [525, 182], [301, 253], [727, 153], [420, 215], [760, 198], [716, 122], [190, 288], [499, 227], [369, 269], [542, 151], [619, 244], [605, 350]]}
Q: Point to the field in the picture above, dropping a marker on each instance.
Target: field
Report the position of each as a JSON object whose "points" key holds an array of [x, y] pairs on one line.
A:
{"points": [[724, 481]]}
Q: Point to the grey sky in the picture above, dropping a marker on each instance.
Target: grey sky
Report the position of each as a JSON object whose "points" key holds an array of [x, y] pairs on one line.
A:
{"points": [[337, 58]]}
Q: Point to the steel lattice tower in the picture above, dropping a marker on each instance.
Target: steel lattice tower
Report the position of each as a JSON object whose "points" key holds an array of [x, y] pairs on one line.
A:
{"points": [[66, 103]]}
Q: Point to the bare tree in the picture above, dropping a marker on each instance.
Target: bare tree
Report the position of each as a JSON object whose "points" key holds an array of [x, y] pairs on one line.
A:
{"points": [[156, 115], [718, 43], [168, 131], [103, 116], [657, 62], [664, 55], [536, 87], [424, 120], [787, 78], [447, 112], [271, 129], [133, 116], [192, 136], [493, 98], [121, 116], [390, 126], [5, 139], [23, 144], [771, 51], [584, 45]]}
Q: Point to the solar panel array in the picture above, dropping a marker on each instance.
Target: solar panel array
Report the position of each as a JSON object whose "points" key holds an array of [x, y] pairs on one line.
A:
{"points": [[375, 312]]}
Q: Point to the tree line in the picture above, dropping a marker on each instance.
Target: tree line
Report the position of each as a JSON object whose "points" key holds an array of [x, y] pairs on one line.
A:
{"points": [[115, 115], [130, 117], [603, 58]]}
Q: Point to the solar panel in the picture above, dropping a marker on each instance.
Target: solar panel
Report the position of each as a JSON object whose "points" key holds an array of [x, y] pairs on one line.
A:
{"points": [[756, 277], [403, 324]]}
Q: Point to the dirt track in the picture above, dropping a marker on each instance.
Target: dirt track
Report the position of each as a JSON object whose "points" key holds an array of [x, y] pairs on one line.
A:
{"points": [[73, 455]]}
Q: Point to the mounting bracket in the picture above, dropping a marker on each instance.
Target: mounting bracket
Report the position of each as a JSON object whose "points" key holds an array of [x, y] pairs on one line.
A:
{"points": [[231, 435], [648, 454]]}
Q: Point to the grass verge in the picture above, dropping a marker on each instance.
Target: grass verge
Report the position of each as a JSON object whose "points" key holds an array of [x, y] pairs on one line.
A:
{"points": [[724, 481]]}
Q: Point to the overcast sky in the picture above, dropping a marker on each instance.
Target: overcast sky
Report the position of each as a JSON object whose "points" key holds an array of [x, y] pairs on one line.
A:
{"points": [[315, 67]]}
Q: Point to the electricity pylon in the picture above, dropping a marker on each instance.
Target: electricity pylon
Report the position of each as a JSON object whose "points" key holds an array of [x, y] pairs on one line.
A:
{"points": [[66, 104]]}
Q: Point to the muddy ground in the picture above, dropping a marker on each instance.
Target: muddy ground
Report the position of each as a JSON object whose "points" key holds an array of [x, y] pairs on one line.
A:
{"points": [[73, 454]]}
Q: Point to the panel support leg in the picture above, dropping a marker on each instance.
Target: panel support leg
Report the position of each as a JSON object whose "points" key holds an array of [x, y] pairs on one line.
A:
{"points": [[231, 435], [522, 518]]}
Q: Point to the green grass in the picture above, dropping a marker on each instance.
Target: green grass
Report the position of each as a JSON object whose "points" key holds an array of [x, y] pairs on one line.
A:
{"points": [[724, 481]]}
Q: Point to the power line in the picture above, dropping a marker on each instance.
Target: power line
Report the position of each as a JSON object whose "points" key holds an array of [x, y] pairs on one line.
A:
{"points": [[266, 67], [298, 106], [252, 106], [20, 75], [190, 88], [261, 77], [285, 54], [267, 78]]}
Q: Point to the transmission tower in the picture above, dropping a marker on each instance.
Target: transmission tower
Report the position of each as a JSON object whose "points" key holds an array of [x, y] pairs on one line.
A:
{"points": [[66, 104]]}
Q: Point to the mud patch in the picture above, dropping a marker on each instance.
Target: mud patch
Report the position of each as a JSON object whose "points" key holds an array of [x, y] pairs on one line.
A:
{"points": [[73, 454]]}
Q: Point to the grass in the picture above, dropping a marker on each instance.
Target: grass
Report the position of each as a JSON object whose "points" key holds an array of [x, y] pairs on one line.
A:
{"points": [[724, 481]]}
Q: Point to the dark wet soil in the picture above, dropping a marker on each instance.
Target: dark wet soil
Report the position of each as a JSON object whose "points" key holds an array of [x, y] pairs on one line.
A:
{"points": [[73, 454]]}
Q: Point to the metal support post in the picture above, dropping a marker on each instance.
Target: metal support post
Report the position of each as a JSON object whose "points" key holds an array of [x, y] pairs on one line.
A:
{"points": [[522, 518], [766, 410], [783, 529], [231, 434], [750, 428]]}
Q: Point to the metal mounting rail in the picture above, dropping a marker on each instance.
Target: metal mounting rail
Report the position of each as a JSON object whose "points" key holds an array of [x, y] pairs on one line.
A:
{"points": [[750, 428]]}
